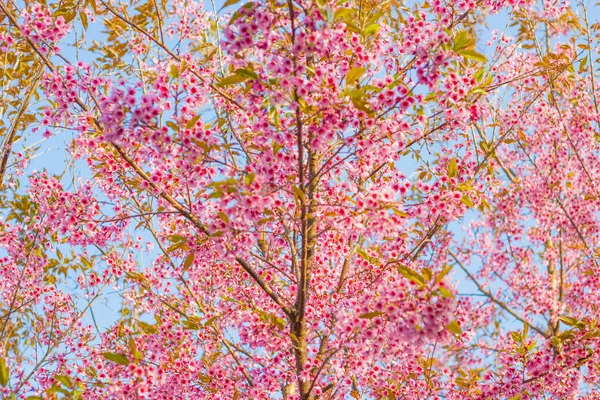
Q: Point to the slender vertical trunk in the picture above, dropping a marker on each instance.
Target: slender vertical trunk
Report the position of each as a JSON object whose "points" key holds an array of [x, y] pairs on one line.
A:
{"points": [[299, 331], [309, 239]]}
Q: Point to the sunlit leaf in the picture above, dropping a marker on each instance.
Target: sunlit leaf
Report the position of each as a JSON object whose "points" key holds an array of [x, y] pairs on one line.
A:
{"points": [[473, 55], [371, 315], [4, 374], [229, 3], [116, 358], [354, 74], [64, 379], [466, 200], [452, 168], [453, 327], [189, 260]]}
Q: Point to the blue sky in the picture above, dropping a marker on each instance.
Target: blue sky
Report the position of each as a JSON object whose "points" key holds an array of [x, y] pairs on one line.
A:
{"points": [[53, 158]]}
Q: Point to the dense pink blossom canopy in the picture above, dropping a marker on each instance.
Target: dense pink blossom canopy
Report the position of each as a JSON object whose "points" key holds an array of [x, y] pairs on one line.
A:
{"points": [[299, 200]]}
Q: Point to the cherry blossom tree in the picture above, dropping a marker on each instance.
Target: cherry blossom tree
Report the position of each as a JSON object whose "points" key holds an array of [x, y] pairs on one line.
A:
{"points": [[300, 200]]}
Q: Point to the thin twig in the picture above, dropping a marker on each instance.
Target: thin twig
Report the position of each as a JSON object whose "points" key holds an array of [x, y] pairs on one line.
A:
{"points": [[490, 296]]}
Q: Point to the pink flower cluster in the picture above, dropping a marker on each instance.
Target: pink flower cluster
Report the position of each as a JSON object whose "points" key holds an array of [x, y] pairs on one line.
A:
{"points": [[123, 103], [42, 28]]}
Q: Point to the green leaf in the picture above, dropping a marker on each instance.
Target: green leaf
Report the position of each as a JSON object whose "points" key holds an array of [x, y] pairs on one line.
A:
{"points": [[246, 73], [446, 294], [371, 315], [342, 13], [250, 178], [232, 80], [479, 74], [178, 246], [400, 213], [64, 379], [274, 114], [4, 375], [277, 321], [462, 41], [132, 347], [116, 358], [173, 126], [147, 328], [354, 74], [464, 186], [363, 254], [303, 105], [86, 262], [298, 193], [466, 200], [84, 19], [443, 274], [411, 275], [452, 168], [453, 327], [372, 29], [229, 3], [79, 389], [357, 94], [174, 72], [217, 194], [566, 335], [210, 321], [582, 64], [516, 337], [462, 382], [478, 91], [484, 205], [188, 261], [192, 323], [190, 124], [473, 55], [177, 238], [55, 388], [427, 274], [569, 321], [223, 217], [361, 105], [352, 27], [136, 276]]}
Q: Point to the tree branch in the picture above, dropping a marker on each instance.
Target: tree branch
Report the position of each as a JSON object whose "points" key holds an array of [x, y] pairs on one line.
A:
{"points": [[265, 287], [171, 54], [490, 296], [6, 149]]}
